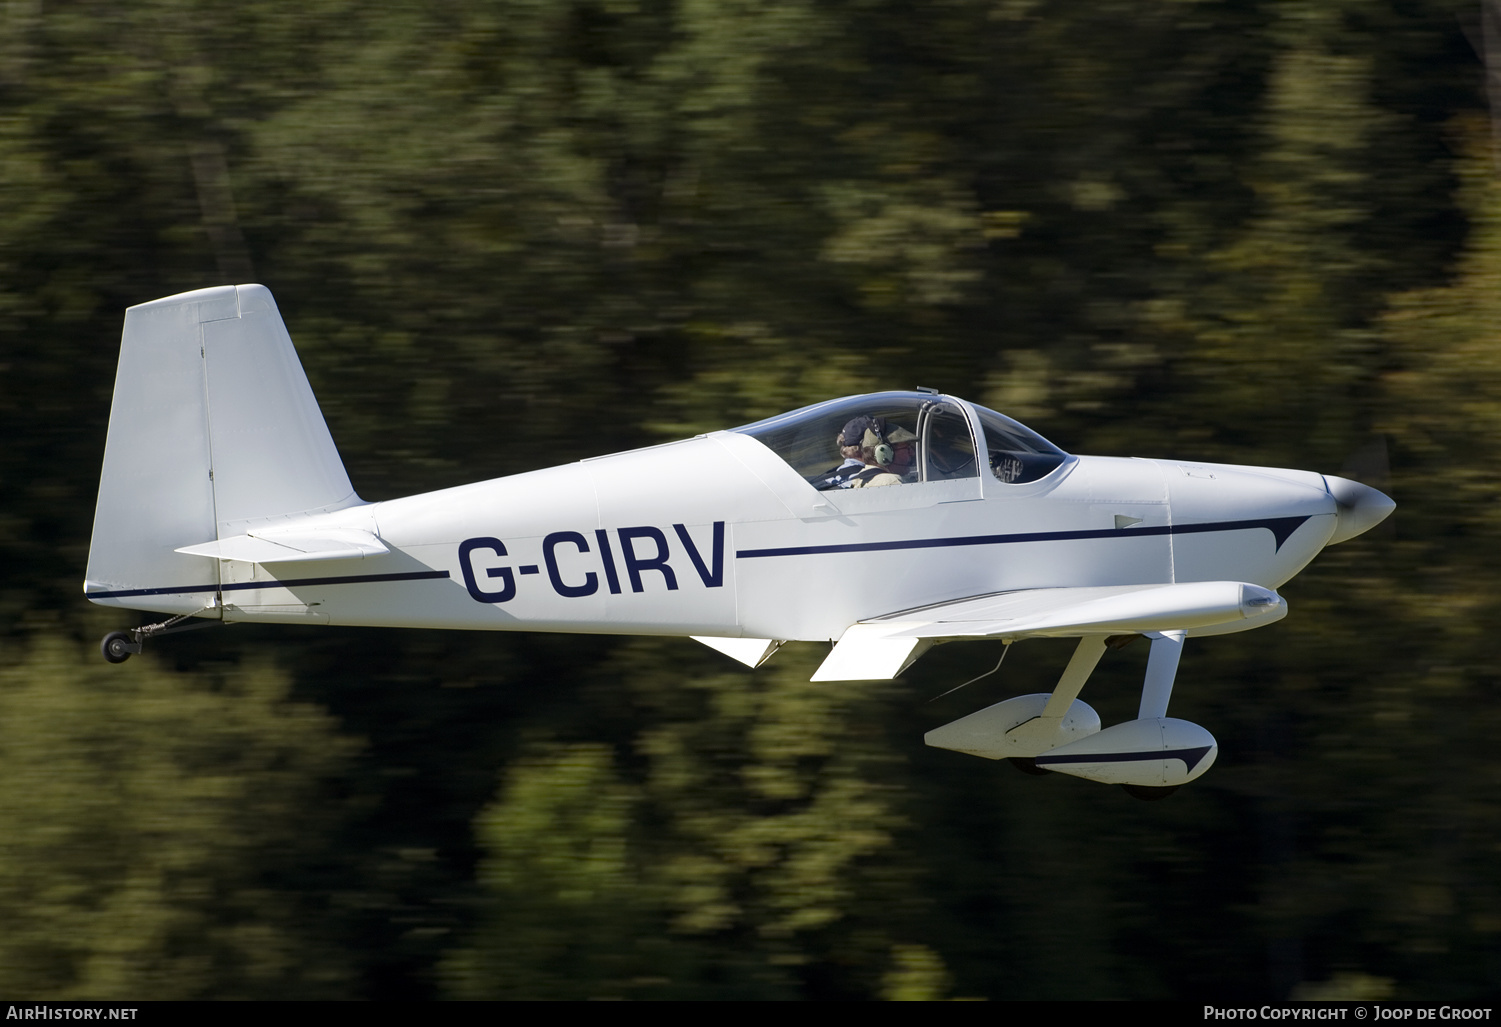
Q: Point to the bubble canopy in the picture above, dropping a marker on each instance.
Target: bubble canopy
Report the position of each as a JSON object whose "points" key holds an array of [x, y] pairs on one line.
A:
{"points": [[946, 449]]}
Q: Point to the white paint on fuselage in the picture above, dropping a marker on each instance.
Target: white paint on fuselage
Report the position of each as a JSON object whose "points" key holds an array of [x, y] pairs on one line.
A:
{"points": [[1221, 493], [794, 563]]}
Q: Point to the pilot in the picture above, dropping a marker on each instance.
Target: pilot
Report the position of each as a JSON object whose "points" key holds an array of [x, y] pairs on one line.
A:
{"points": [[874, 454]]}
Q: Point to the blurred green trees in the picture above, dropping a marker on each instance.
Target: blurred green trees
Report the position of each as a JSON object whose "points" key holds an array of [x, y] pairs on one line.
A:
{"points": [[505, 235], [742, 848], [151, 823]]}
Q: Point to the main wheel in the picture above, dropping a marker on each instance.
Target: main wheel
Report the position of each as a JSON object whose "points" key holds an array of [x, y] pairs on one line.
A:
{"points": [[1028, 765], [1149, 793], [113, 646]]}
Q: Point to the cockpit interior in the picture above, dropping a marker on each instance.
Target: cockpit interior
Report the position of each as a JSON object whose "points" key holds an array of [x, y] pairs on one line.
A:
{"points": [[940, 430]]}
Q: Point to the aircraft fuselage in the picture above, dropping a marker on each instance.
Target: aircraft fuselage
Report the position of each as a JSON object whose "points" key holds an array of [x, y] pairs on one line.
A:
{"points": [[716, 535]]}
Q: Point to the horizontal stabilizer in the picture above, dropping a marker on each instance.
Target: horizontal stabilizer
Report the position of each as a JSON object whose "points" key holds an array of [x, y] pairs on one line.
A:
{"points": [[292, 547]]}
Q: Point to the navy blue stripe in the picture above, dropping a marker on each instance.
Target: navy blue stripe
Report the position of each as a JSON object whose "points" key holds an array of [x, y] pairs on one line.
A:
{"points": [[241, 586], [1190, 757], [1280, 527]]}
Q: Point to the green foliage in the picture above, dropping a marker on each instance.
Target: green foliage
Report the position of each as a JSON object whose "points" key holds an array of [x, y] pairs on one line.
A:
{"points": [[748, 851], [161, 834], [571, 918], [513, 234]]}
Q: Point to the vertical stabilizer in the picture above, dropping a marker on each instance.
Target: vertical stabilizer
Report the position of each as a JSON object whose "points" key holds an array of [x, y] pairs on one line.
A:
{"points": [[213, 429]]}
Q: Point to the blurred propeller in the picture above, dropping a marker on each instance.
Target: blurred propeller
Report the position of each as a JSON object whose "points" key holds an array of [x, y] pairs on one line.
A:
{"points": [[1361, 492]]}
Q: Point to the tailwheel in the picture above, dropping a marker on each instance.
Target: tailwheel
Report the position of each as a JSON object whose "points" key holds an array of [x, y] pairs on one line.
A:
{"points": [[117, 646], [1028, 765], [1150, 793]]}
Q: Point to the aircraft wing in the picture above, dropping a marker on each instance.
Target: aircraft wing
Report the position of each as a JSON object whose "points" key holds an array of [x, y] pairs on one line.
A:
{"points": [[881, 648]]}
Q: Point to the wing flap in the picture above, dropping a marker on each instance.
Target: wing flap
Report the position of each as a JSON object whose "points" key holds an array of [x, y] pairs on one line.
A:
{"points": [[869, 652]]}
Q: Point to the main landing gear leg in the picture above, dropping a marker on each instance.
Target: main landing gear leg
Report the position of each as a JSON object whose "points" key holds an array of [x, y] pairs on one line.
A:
{"points": [[1086, 657], [1162, 668], [1156, 690]]}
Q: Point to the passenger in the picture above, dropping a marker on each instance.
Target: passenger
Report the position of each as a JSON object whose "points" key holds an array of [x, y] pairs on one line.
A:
{"points": [[886, 456]]}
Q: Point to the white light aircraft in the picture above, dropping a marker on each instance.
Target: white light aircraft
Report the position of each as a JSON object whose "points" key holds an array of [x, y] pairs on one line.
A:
{"points": [[223, 498]]}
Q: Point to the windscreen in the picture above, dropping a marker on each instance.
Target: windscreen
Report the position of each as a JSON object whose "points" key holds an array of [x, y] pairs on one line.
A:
{"points": [[1017, 453]]}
